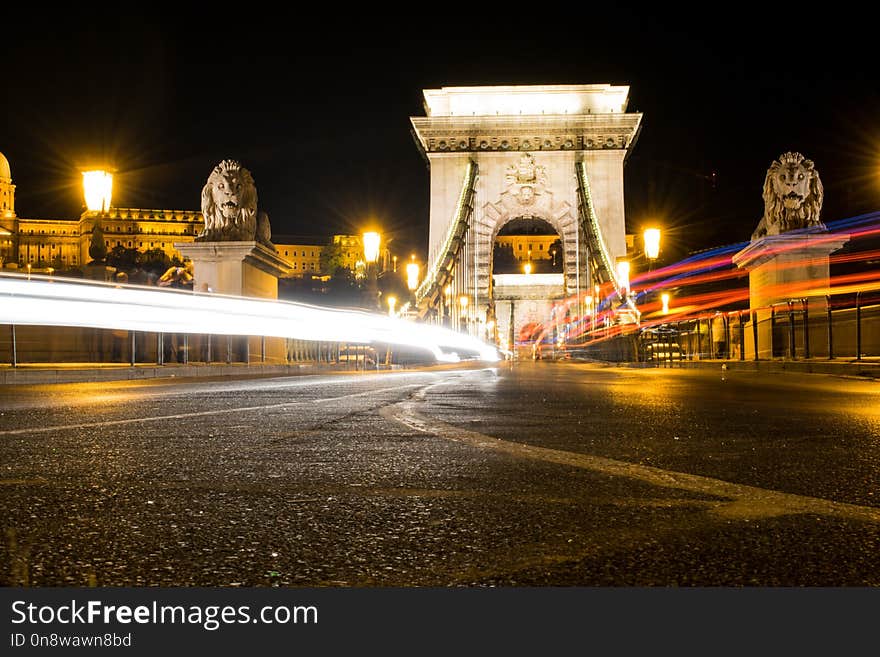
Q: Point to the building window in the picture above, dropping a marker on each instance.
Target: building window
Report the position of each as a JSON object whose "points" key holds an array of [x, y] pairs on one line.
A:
{"points": [[285, 253], [129, 245], [520, 247], [140, 244], [540, 247]]}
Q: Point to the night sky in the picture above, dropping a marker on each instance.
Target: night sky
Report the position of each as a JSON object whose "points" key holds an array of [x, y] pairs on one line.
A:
{"points": [[319, 110]]}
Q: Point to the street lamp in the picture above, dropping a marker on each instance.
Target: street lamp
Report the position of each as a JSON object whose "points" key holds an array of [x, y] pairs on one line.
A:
{"points": [[463, 302], [412, 275], [623, 278], [664, 299], [527, 268], [446, 308], [371, 241], [392, 302], [97, 189], [651, 238]]}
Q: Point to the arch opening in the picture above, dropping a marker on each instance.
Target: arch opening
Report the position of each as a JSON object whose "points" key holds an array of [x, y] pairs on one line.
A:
{"points": [[527, 245]]}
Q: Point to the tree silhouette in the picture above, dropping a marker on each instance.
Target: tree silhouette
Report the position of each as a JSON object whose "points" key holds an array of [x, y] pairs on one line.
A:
{"points": [[97, 248]]}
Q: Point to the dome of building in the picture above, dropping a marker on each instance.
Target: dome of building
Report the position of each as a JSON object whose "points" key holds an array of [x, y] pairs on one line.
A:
{"points": [[5, 171]]}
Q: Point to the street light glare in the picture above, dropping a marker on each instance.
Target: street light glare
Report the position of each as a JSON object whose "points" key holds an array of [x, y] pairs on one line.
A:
{"points": [[623, 274], [97, 190], [412, 275], [371, 246], [652, 243]]}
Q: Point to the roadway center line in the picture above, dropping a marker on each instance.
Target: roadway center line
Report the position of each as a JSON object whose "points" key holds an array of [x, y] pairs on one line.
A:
{"points": [[219, 411], [745, 501]]}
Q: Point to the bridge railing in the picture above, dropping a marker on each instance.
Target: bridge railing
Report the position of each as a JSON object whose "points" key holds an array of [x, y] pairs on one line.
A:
{"points": [[50, 320], [827, 328]]}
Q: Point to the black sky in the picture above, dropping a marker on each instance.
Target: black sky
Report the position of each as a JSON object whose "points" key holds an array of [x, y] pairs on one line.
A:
{"points": [[319, 110]]}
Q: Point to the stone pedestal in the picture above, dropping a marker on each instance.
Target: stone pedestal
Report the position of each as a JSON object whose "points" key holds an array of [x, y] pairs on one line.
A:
{"points": [[783, 268], [247, 269], [99, 272]]}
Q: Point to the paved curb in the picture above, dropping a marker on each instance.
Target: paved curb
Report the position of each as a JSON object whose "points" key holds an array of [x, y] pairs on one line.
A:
{"points": [[35, 375], [48, 374], [863, 369]]}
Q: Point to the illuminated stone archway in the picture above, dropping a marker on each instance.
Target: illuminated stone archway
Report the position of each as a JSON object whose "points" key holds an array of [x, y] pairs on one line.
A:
{"points": [[525, 144]]}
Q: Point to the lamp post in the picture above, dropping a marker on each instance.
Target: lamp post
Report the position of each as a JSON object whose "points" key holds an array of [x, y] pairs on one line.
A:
{"points": [[623, 278], [463, 302], [651, 240], [371, 243]]}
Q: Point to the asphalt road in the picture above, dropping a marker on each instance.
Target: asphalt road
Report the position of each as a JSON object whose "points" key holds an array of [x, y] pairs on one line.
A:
{"points": [[526, 475]]}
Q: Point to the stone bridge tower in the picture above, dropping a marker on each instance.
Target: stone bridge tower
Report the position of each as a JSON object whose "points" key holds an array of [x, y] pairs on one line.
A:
{"points": [[496, 154]]}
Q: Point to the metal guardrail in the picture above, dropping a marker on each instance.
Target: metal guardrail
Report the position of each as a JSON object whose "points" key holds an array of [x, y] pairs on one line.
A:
{"points": [[53, 320], [790, 330], [818, 328]]}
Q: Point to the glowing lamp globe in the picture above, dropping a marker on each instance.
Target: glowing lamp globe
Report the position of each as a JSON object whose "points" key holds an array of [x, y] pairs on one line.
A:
{"points": [[371, 246], [652, 243], [97, 190], [412, 275]]}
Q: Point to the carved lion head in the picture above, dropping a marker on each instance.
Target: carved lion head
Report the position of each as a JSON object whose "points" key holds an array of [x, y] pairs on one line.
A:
{"points": [[793, 196], [229, 203]]}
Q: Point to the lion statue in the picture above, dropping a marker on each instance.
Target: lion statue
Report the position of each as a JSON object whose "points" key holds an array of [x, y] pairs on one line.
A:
{"points": [[793, 196], [229, 206]]}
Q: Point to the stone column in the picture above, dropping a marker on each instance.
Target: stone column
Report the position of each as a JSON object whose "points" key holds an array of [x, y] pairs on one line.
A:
{"points": [[245, 268], [789, 266]]}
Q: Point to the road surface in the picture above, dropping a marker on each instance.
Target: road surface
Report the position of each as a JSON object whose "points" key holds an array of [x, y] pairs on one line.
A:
{"points": [[525, 474]]}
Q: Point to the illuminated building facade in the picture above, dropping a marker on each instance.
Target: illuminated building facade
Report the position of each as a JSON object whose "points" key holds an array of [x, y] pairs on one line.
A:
{"points": [[303, 253], [529, 247], [63, 243]]}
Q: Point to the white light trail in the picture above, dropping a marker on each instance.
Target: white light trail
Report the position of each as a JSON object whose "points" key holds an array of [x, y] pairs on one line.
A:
{"points": [[50, 302]]}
